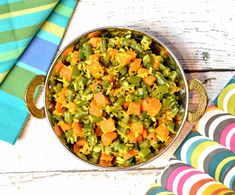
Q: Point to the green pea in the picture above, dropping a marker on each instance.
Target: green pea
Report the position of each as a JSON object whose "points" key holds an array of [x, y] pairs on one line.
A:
{"points": [[120, 101], [148, 61], [103, 45], [95, 119], [105, 84], [123, 70], [134, 80], [145, 151], [70, 95], [105, 59], [68, 117]]}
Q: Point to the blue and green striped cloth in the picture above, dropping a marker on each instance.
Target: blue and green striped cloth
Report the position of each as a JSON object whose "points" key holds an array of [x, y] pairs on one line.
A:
{"points": [[30, 33]]}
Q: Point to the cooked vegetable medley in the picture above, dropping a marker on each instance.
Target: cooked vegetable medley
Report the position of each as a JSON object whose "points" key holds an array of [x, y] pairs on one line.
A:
{"points": [[114, 98]]}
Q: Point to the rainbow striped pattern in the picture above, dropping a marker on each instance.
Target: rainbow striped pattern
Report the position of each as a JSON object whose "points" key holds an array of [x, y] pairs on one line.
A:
{"points": [[158, 190], [208, 156], [219, 126], [226, 98], [31, 32], [183, 179]]}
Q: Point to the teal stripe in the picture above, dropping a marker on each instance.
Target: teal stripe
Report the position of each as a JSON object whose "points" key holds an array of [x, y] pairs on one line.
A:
{"points": [[2, 2], [49, 37], [23, 20], [59, 19], [30, 68], [5, 66], [71, 4], [11, 106], [14, 45]]}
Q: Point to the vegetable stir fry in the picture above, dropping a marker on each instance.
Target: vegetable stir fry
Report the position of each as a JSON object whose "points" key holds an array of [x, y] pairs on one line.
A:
{"points": [[114, 98]]}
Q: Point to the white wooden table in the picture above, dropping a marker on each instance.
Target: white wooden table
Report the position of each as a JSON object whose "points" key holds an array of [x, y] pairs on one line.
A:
{"points": [[202, 35]]}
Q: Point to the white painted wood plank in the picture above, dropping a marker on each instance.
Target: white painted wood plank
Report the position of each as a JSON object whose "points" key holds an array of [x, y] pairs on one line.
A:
{"points": [[115, 183], [190, 28]]}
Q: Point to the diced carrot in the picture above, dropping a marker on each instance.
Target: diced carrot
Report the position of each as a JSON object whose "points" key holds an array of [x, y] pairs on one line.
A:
{"points": [[105, 163], [62, 96], [72, 107], [66, 51], [132, 54], [110, 78], [58, 66], [76, 148], [152, 137], [130, 154], [162, 132], [77, 129], [106, 157], [65, 126], [131, 137], [150, 80], [123, 58], [98, 132], [154, 106], [112, 53], [134, 66], [94, 34], [81, 142], [134, 108], [58, 108], [100, 99], [137, 128], [93, 85], [94, 41], [143, 71], [157, 61], [107, 125], [125, 105], [94, 109], [58, 131], [145, 133], [139, 138], [96, 69], [66, 73], [144, 105], [108, 138]]}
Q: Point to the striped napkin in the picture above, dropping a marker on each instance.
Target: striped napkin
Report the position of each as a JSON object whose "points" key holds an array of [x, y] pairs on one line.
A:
{"points": [[30, 33], [204, 163]]}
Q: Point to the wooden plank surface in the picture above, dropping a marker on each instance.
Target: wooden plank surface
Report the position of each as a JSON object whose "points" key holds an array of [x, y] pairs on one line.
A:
{"points": [[202, 36]]}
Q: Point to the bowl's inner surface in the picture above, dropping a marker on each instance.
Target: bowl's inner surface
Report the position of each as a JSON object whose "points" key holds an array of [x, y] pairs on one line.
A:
{"points": [[116, 97]]}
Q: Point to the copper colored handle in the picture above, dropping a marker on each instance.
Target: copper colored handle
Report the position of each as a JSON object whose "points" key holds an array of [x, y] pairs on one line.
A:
{"points": [[38, 80], [200, 90]]}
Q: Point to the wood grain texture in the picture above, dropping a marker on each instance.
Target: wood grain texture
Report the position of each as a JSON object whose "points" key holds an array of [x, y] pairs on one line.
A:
{"points": [[202, 36]]}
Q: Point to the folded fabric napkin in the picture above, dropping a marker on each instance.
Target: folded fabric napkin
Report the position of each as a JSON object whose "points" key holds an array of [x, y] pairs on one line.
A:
{"points": [[30, 34], [205, 159]]}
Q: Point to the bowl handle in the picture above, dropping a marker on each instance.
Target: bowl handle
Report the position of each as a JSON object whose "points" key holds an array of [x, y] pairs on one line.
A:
{"points": [[197, 86], [38, 80]]}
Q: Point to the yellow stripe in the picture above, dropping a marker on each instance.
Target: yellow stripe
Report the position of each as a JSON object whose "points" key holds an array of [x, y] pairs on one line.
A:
{"points": [[53, 29], [28, 11], [212, 188], [9, 55], [198, 151], [212, 108], [221, 165], [2, 76], [165, 193], [225, 191]]}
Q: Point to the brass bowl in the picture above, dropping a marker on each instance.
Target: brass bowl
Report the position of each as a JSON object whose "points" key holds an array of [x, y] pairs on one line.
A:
{"points": [[195, 85]]}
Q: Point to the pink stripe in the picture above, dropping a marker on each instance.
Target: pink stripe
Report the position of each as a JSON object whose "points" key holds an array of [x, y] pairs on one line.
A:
{"points": [[173, 174], [225, 132], [184, 178], [232, 143]]}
